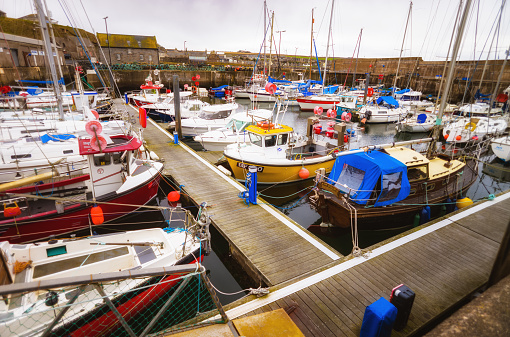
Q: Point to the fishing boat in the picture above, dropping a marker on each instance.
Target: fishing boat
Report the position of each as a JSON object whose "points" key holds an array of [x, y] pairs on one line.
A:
{"points": [[282, 156], [412, 99], [165, 111], [150, 92], [211, 117], [384, 110], [388, 187], [234, 131], [56, 197], [32, 313]]}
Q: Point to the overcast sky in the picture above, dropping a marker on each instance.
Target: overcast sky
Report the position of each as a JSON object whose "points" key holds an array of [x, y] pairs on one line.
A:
{"points": [[232, 25]]}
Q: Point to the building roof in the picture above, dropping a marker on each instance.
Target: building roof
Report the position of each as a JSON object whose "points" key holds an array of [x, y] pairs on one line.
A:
{"points": [[128, 41]]}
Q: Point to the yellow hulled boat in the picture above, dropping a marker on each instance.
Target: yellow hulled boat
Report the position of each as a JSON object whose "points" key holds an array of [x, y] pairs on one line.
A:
{"points": [[282, 156]]}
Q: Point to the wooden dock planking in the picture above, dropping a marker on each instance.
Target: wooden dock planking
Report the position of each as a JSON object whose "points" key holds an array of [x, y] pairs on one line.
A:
{"points": [[256, 235], [442, 267]]}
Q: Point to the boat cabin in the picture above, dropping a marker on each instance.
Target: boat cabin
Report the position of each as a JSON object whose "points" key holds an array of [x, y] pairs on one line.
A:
{"points": [[272, 139]]}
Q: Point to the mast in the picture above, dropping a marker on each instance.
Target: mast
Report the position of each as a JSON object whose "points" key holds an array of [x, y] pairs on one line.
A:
{"points": [[265, 9], [311, 47], [327, 46], [402, 48], [271, 45], [49, 55], [60, 72], [449, 76]]}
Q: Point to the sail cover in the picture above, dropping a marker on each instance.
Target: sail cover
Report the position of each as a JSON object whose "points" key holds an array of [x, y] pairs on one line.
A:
{"points": [[388, 100], [360, 174]]}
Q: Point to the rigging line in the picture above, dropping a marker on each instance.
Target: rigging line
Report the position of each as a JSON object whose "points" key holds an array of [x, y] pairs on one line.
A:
{"points": [[114, 84], [80, 39]]}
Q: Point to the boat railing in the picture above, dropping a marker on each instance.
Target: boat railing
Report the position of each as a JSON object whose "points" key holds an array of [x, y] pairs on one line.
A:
{"points": [[62, 168], [132, 302]]}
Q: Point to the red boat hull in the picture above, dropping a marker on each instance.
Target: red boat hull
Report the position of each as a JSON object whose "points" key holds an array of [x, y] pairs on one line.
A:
{"points": [[76, 217], [108, 322]]}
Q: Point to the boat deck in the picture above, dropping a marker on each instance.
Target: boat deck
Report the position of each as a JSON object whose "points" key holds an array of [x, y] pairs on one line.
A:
{"points": [[271, 247]]}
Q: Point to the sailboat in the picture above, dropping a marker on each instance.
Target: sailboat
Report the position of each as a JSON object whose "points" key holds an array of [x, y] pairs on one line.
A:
{"points": [[51, 182], [390, 185]]}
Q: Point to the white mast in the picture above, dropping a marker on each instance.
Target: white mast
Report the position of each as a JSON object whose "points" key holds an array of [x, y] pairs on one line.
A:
{"points": [[49, 55], [327, 47]]}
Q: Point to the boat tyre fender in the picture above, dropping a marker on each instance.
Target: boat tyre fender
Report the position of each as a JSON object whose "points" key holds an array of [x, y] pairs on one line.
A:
{"points": [[368, 114]]}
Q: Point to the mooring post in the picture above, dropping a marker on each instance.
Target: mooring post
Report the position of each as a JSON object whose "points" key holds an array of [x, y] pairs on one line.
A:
{"points": [[252, 190], [177, 107]]}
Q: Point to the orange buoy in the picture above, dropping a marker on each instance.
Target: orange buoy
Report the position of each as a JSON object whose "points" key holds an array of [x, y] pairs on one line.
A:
{"points": [[96, 215], [346, 139], [458, 137], [143, 117], [446, 136], [304, 173], [364, 120], [10, 211], [173, 196]]}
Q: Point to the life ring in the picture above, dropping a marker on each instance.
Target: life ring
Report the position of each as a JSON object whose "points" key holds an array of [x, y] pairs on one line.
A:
{"points": [[348, 117], [370, 92], [471, 125], [265, 125], [194, 89], [142, 115]]}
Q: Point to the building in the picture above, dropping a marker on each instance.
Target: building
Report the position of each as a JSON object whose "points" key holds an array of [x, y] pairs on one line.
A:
{"points": [[24, 52], [128, 48]]}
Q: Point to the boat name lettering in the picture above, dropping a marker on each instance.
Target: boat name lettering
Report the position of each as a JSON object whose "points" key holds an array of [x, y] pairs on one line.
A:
{"points": [[245, 166]]}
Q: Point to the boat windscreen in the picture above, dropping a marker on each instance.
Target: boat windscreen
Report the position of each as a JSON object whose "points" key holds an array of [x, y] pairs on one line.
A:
{"points": [[391, 184], [350, 179]]}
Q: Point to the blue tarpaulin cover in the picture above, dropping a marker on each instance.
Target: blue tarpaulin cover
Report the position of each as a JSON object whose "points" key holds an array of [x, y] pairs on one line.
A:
{"points": [[364, 170], [221, 87], [387, 99], [46, 138], [403, 91], [274, 80]]}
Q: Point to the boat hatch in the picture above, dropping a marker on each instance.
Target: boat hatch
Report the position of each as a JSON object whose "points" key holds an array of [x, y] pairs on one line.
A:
{"points": [[370, 176], [145, 254], [54, 251], [78, 261]]}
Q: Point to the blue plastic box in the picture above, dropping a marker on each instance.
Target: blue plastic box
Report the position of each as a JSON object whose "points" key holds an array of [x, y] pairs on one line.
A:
{"points": [[378, 319]]}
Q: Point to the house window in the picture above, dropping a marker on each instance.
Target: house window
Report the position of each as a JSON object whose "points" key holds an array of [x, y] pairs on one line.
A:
{"points": [[141, 57], [129, 51], [128, 43], [118, 57], [139, 44], [150, 58]]}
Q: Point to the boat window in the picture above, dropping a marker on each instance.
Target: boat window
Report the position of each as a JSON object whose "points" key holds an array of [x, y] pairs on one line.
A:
{"points": [[412, 191], [117, 157], [391, 184], [194, 107], [102, 159], [350, 179], [75, 262], [270, 141], [430, 187], [381, 112], [416, 173], [255, 139], [282, 139], [67, 151], [21, 156]]}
